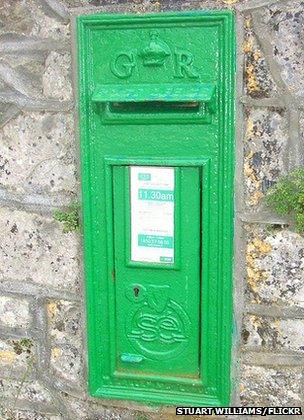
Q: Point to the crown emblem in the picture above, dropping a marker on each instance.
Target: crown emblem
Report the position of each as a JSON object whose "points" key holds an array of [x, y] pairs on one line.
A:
{"points": [[156, 52]]}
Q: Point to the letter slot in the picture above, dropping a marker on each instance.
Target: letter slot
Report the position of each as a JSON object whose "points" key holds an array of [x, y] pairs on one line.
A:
{"points": [[156, 102]]}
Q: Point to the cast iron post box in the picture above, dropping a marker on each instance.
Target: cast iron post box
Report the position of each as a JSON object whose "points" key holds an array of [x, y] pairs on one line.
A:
{"points": [[156, 126]]}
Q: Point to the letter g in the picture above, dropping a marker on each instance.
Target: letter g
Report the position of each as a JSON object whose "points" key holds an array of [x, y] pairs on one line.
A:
{"points": [[122, 66]]}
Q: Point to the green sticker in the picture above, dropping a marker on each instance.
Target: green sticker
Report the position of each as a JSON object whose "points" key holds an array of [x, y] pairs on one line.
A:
{"points": [[144, 177], [155, 195], [166, 259], [155, 241]]}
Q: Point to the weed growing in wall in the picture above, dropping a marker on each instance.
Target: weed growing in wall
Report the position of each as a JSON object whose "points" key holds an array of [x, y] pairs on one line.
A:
{"points": [[69, 218], [286, 198]]}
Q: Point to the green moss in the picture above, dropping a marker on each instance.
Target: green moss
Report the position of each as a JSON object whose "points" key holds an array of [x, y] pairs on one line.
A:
{"points": [[22, 346], [274, 228], [286, 198], [69, 218]]}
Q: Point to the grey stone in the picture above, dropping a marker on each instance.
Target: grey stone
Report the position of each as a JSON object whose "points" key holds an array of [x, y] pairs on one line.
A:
{"points": [[301, 126], [66, 361], [256, 357], [31, 65], [37, 153], [30, 391], [34, 104], [35, 202], [93, 409], [57, 76], [65, 341], [265, 143], [29, 47], [19, 80], [253, 4], [64, 322], [258, 81], [34, 248], [157, 5], [81, 408], [56, 9], [285, 22], [14, 312], [273, 334], [275, 311], [17, 16], [12, 414], [275, 262], [76, 3], [17, 357], [261, 386], [46, 26], [8, 112], [292, 334]]}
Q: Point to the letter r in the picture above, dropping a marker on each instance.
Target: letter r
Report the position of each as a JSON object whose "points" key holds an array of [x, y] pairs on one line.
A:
{"points": [[184, 65]]}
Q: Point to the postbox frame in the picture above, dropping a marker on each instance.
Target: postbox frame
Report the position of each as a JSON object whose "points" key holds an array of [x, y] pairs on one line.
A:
{"points": [[217, 295]]}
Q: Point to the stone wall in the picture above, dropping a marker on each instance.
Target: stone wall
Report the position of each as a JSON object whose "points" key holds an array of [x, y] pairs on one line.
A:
{"points": [[42, 322]]}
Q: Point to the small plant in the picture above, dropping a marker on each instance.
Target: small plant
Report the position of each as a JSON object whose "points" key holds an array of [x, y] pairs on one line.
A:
{"points": [[274, 228], [69, 218], [286, 198], [20, 346]]}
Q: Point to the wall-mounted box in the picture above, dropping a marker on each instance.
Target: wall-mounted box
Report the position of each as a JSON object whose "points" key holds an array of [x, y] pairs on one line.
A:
{"points": [[156, 122]]}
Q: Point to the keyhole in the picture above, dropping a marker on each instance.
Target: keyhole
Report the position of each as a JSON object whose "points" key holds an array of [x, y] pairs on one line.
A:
{"points": [[136, 291]]}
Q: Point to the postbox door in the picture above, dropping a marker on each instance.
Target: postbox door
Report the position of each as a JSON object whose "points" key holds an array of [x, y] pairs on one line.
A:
{"points": [[157, 274]]}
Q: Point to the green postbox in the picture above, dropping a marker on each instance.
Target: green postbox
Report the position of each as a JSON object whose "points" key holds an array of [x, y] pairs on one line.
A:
{"points": [[156, 125]]}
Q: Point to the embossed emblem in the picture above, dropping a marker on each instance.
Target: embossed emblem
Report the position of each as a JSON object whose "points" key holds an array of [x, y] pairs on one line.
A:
{"points": [[159, 327], [156, 52], [154, 55]]}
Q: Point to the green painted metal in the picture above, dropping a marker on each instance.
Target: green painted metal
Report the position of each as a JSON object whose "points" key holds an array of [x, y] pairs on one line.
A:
{"points": [[154, 92], [158, 91], [160, 322]]}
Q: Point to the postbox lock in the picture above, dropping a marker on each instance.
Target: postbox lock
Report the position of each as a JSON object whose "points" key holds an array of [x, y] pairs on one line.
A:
{"points": [[136, 293]]}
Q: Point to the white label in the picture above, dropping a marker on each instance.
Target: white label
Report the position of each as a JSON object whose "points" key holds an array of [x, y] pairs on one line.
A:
{"points": [[152, 214]]}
